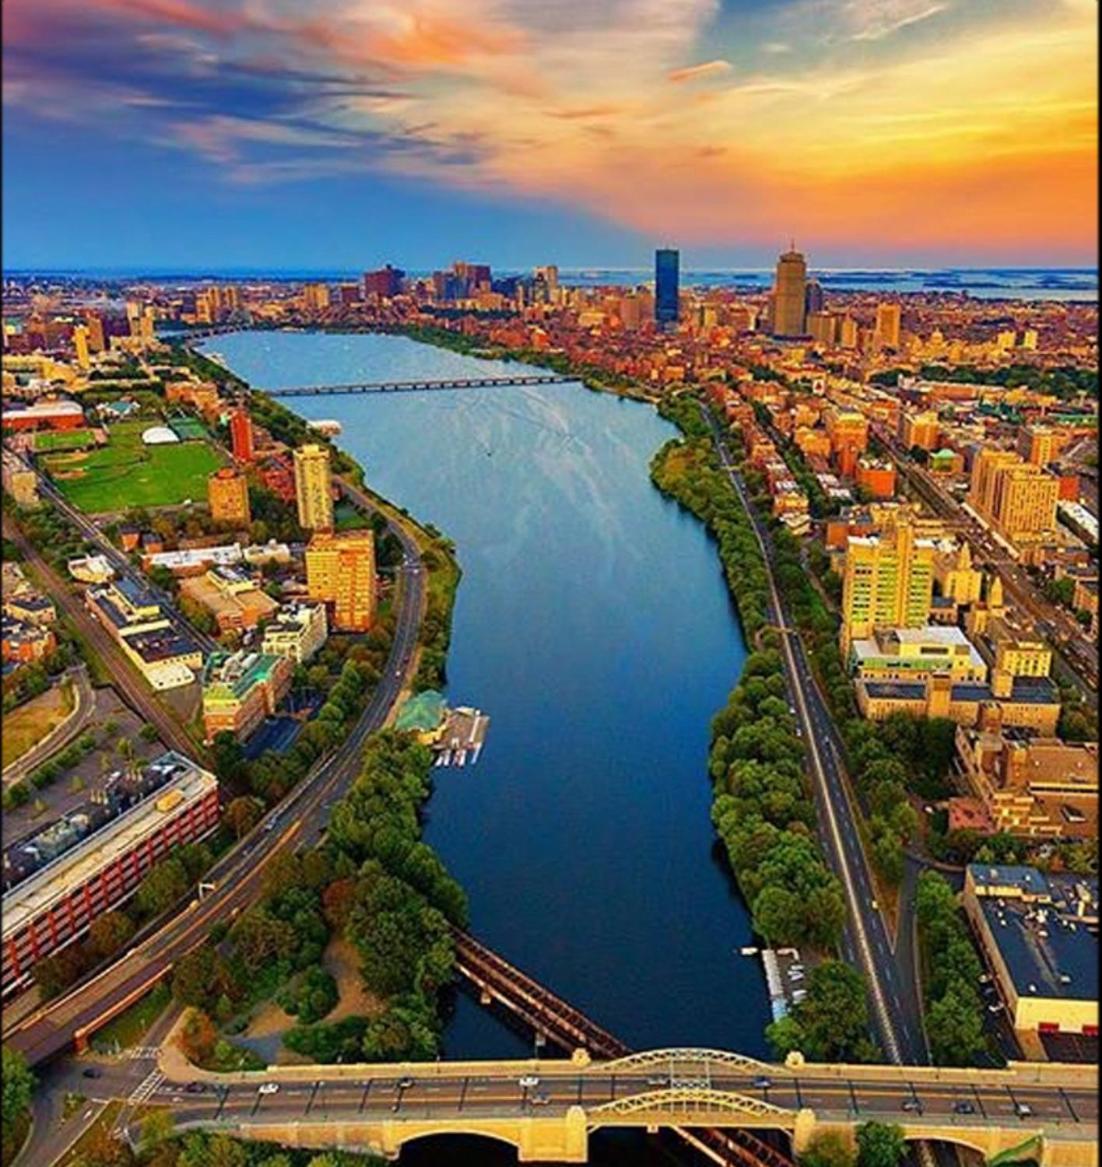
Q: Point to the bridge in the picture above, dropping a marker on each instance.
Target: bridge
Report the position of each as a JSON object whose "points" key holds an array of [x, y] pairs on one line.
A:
{"points": [[418, 386], [548, 1108]]}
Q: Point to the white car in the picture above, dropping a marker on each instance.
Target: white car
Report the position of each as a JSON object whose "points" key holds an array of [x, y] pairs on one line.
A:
{"points": [[528, 1082], [268, 1088]]}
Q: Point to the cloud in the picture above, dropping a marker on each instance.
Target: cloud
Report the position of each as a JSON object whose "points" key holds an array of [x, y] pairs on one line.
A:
{"points": [[695, 72], [886, 17]]}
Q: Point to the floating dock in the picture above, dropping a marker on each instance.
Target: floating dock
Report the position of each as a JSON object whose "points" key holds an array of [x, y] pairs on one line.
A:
{"points": [[462, 738]]}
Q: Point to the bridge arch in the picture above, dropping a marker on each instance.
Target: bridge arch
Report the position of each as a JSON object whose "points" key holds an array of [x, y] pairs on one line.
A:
{"points": [[677, 1104], [647, 1059]]}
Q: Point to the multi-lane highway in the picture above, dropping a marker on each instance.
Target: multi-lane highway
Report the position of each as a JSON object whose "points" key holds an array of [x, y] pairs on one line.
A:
{"points": [[238, 875]]}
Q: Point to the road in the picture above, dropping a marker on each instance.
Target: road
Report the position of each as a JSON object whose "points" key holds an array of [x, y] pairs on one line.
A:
{"points": [[130, 682], [84, 705], [866, 943], [1073, 656], [238, 875], [446, 1090]]}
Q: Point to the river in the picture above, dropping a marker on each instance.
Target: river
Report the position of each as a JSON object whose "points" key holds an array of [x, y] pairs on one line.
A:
{"points": [[594, 627]]}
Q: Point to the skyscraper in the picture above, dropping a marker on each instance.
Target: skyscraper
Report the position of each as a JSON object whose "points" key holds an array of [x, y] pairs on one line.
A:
{"points": [[666, 290], [789, 295], [312, 488], [813, 297], [228, 496]]}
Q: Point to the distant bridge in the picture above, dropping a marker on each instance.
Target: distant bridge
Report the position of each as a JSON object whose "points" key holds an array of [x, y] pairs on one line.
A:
{"points": [[417, 386]]}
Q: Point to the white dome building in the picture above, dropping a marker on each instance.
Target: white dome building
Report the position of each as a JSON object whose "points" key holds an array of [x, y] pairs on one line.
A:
{"points": [[158, 435]]}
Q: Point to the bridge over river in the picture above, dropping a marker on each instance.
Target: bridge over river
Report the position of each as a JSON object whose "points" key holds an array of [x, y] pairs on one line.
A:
{"points": [[418, 386], [547, 1108]]}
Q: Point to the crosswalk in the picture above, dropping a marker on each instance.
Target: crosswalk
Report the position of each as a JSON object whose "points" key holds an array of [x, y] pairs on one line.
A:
{"points": [[140, 1053], [145, 1088]]}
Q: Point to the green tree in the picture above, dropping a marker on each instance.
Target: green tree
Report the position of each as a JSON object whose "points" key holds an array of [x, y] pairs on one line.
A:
{"points": [[157, 1127], [828, 1149], [880, 1144], [165, 885], [18, 1086], [109, 933]]}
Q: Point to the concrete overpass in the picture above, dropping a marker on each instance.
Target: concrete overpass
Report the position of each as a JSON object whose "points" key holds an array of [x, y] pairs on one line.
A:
{"points": [[547, 1109]]}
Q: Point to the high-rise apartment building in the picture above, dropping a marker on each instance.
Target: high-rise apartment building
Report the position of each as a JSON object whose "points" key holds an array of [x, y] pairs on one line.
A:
{"points": [[919, 429], [847, 332], [887, 582], [228, 496], [889, 319], [546, 280], [1017, 497], [313, 488], [667, 263], [823, 327], [789, 295], [241, 435], [340, 571]]}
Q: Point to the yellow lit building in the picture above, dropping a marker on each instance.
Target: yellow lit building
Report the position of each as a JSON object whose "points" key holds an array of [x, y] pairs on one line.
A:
{"points": [[789, 295], [340, 571], [1023, 658], [315, 297], [887, 582], [919, 429], [228, 496], [80, 347], [1039, 444], [846, 427], [313, 488], [955, 575], [1017, 497], [888, 326]]}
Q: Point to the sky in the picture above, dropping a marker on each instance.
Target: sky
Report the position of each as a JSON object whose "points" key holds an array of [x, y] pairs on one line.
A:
{"points": [[346, 133]]}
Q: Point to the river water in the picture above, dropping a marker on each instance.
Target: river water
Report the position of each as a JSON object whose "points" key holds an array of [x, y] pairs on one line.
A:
{"points": [[594, 627]]}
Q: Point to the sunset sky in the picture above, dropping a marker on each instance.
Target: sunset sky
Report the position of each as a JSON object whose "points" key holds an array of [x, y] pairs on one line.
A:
{"points": [[343, 133]]}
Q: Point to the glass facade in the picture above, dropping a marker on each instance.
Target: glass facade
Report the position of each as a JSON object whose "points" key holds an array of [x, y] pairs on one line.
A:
{"points": [[666, 263]]}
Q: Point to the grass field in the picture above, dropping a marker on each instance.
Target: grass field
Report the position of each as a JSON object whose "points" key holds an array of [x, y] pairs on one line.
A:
{"points": [[127, 473], [62, 440], [31, 722]]}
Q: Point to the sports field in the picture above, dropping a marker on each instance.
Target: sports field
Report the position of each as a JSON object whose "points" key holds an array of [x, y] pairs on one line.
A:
{"points": [[126, 473], [62, 440]]}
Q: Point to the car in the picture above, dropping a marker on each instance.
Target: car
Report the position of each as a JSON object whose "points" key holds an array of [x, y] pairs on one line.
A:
{"points": [[658, 1080], [996, 1008], [1023, 1109], [405, 1083], [874, 905], [761, 1082], [92, 1072], [268, 1088], [963, 1106], [528, 1082], [195, 1087], [912, 1105], [540, 1099]]}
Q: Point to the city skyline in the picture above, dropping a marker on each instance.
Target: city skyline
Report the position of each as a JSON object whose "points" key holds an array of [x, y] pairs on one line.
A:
{"points": [[726, 127]]}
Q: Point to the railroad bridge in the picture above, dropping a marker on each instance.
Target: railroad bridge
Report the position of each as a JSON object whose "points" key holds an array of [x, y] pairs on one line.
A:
{"points": [[416, 386]]}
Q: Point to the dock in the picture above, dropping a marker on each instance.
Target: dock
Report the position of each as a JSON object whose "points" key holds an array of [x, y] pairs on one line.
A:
{"points": [[463, 737]]}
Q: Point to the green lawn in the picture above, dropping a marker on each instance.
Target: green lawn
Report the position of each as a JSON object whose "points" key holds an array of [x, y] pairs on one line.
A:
{"points": [[62, 440], [127, 473]]}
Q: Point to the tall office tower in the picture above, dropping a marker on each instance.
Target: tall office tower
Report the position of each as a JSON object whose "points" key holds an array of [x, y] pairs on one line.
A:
{"points": [[313, 492], [813, 297], [789, 292], [147, 326], [134, 318], [887, 582], [666, 286], [384, 283], [340, 570], [981, 488], [241, 435], [847, 332], [231, 298], [889, 318], [80, 347], [1029, 338], [228, 496], [473, 277]]}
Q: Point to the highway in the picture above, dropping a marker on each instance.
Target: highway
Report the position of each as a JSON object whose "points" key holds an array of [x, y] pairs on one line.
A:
{"points": [[866, 943], [299, 817]]}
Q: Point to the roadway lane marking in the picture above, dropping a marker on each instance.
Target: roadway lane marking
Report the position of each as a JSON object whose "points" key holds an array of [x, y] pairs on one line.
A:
{"points": [[313, 1095], [363, 1099], [223, 1094]]}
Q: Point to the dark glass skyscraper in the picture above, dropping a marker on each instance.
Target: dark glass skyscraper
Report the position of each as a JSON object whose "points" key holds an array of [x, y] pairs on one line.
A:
{"points": [[666, 263]]}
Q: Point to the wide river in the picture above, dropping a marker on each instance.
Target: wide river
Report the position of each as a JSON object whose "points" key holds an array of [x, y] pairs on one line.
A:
{"points": [[594, 627]]}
